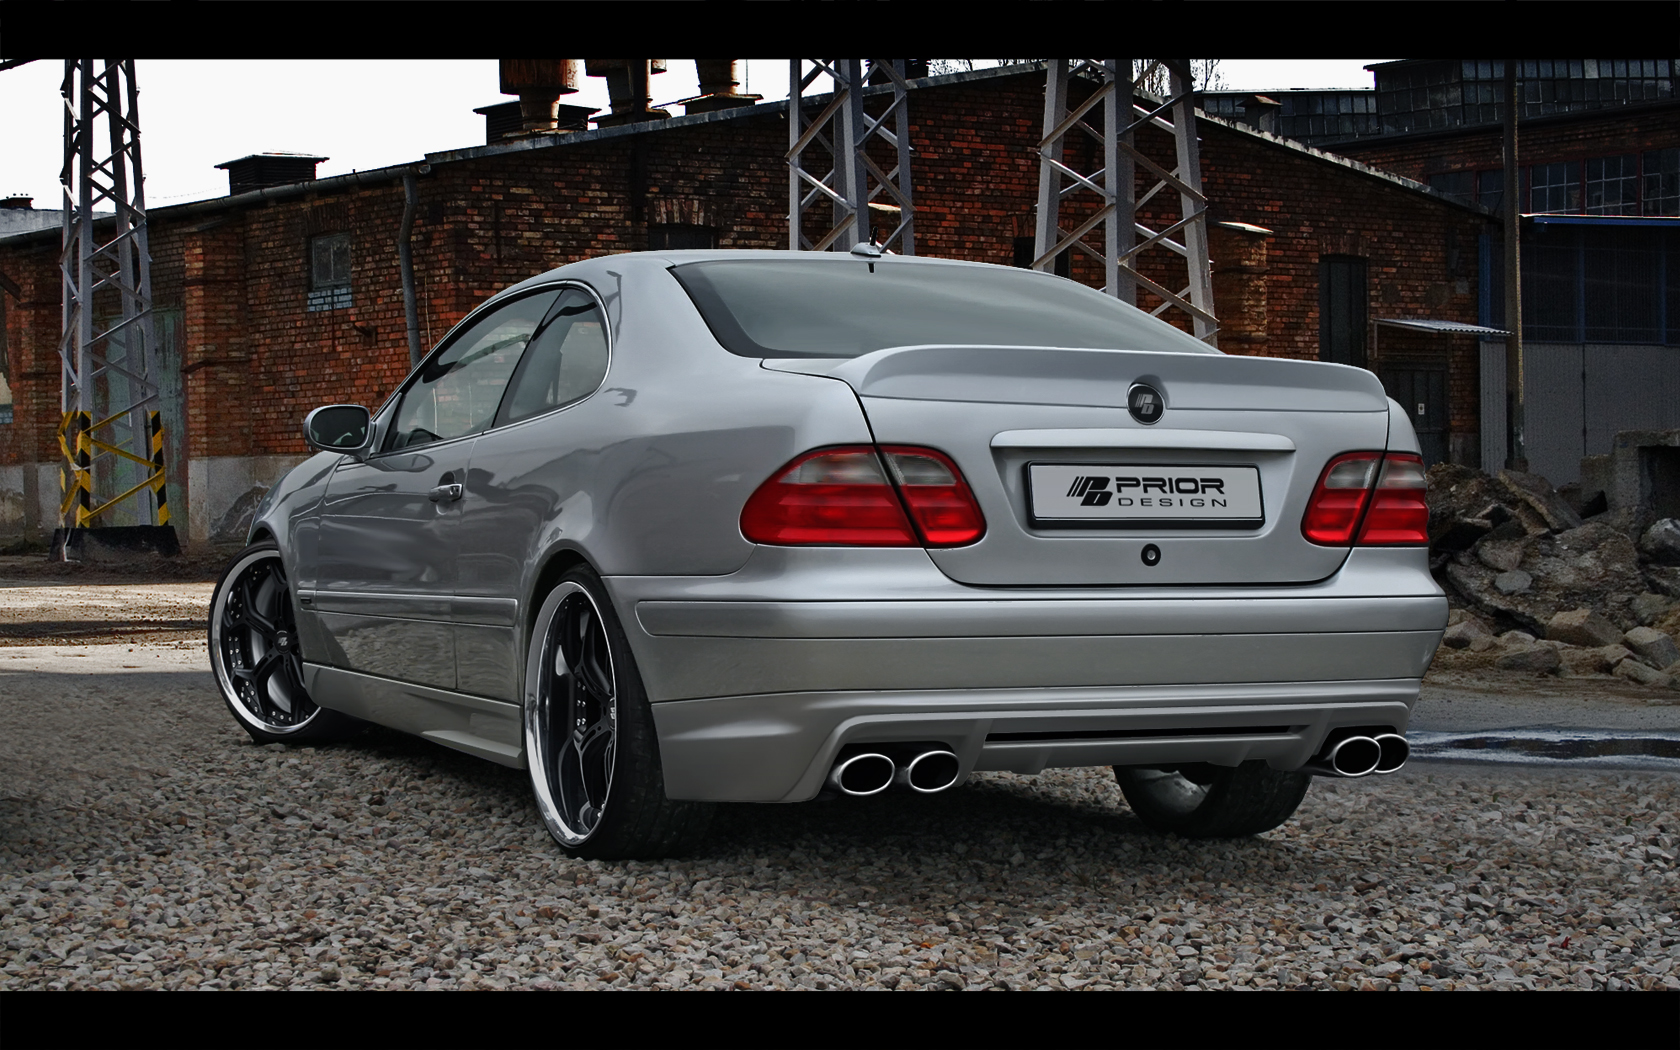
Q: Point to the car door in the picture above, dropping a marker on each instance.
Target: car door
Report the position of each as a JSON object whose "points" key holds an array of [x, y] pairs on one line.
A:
{"points": [[536, 464], [388, 539]]}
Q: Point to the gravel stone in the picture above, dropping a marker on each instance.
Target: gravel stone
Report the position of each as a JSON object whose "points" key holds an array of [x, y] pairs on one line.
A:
{"points": [[145, 843]]}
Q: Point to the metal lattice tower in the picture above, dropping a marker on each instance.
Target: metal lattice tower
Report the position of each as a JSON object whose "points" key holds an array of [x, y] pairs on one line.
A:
{"points": [[842, 132], [1115, 186], [109, 431]]}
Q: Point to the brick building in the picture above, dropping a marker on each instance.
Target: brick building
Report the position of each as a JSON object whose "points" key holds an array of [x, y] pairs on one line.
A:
{"points": [[275, 300], [1599, 152]]}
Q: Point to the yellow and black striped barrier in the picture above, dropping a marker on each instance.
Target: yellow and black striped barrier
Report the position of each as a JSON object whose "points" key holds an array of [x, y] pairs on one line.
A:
{"points": [[157, 469], [77, 480]]}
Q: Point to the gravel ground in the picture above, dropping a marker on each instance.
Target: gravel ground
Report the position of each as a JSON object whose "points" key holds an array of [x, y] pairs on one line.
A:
{"points": [[145, 842]]}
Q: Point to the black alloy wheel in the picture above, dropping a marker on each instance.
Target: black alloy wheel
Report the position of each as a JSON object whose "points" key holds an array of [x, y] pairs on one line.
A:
{"points": [[583, 709], [255, 655], [589, 736]]}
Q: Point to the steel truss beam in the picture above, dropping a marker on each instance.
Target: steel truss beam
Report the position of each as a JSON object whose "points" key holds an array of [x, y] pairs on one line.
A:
{"points": [[837, 139], [1114, 187], [109, 431]]}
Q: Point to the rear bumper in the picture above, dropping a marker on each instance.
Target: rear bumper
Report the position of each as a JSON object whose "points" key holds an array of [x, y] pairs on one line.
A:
{"points": [[759, 678], [780, 747]]}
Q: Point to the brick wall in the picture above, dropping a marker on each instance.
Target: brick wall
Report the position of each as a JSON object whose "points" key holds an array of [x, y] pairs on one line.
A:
{"points": [[255, 360]]}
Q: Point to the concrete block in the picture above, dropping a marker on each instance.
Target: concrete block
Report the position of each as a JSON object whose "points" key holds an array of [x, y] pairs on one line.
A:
{"points": [[1648, 608], [1634, 671], [1580, 662], [1583, 627], [1539, 659], [1466, 633], [1652, 646]]}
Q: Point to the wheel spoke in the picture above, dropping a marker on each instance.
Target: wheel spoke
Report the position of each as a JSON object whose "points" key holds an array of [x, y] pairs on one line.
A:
{"points": [[262, 676], [580, 714]]}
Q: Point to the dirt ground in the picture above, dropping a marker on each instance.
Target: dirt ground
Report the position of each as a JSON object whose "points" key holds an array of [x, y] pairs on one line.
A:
{"points": [[164, 602]]}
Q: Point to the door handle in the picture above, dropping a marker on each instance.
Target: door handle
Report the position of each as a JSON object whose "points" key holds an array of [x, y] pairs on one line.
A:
{"points": [[445, 493]]}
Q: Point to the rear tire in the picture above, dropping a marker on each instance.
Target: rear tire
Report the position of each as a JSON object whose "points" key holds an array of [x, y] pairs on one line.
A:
{"points": [[590, 742], [1213, 802]]}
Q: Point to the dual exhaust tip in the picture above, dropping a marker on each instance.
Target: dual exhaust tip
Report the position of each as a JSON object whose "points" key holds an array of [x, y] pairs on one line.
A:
{"points": [[1359, 754], [924, 770]]}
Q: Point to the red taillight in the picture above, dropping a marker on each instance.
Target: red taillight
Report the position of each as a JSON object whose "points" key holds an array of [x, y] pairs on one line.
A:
{"points": [[1398, 514], [939, 500], [842, 497], [834, 497], [1343, 499]]}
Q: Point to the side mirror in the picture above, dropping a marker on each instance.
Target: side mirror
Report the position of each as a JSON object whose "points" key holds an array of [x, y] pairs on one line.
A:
{"points": [[339, 428]]}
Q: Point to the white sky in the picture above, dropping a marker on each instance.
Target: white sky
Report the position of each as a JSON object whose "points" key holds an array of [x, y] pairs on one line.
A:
{"points": [[364, 114]]}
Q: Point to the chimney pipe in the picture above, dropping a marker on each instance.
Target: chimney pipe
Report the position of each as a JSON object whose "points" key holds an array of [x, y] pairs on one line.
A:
{"points": [[627, 88], [539, 83], [719, 79]]}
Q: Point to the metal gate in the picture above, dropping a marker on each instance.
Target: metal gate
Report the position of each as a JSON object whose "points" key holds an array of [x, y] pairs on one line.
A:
{"points": [[1422, 392], [1578, 395]]}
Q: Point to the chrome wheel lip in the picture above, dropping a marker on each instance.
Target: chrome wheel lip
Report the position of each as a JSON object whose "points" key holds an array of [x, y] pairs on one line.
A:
{"points": [[218, 659], [540, 744]]}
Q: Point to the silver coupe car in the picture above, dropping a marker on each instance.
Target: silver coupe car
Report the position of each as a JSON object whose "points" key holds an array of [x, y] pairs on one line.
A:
{"points": [[674, 528]]}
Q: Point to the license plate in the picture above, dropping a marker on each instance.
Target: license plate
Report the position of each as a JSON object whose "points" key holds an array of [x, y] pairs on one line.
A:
{"points": [[1139, 495]]}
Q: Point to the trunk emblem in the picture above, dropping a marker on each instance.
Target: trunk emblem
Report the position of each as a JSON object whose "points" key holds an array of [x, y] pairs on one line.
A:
{"points": [[1145, 403]]}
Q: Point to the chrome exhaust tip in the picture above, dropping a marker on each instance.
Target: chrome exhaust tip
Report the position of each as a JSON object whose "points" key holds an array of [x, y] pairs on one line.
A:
{"points": [[930, 772], [867, 774], [1395, 751], [1350, 757]]}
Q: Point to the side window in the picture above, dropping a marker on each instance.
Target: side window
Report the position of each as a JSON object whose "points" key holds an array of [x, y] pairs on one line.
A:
{"points": [[457, 390], [566, 361]]}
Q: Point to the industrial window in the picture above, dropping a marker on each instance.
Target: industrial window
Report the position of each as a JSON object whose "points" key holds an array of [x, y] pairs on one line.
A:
{"points": [[1551, 284], [670, 236], [1416, 96], [1341, 310], [1662, 182], [1594, 284], [1613, 185], [1459, 185], [1554, 188], [1490, 189], [1619, 280], [329, 272]]}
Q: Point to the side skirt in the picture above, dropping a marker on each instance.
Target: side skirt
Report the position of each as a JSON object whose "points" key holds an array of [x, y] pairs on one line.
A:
{"points": [[492, 729]]}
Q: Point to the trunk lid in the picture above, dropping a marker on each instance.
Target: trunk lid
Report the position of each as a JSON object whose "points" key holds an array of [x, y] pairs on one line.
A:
{"points": [[1259, 429]]}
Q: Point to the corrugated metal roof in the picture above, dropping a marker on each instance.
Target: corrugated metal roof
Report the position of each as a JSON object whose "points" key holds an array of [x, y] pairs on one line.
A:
{"points": [[1453, 327]]}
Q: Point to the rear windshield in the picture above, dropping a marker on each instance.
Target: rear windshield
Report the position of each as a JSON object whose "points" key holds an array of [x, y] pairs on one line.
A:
{"points": [[835, 306]]}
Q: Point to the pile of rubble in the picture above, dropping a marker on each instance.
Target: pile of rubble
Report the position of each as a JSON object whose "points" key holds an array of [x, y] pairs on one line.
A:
{"points": [[1539, 589]]}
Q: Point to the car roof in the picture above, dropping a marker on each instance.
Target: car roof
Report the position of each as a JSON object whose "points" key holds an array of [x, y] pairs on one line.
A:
{"points": [[584, 269]]}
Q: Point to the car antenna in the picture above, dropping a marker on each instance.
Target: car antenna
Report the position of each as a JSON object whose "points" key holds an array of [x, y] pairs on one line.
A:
{"points": [[871, 250]]}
